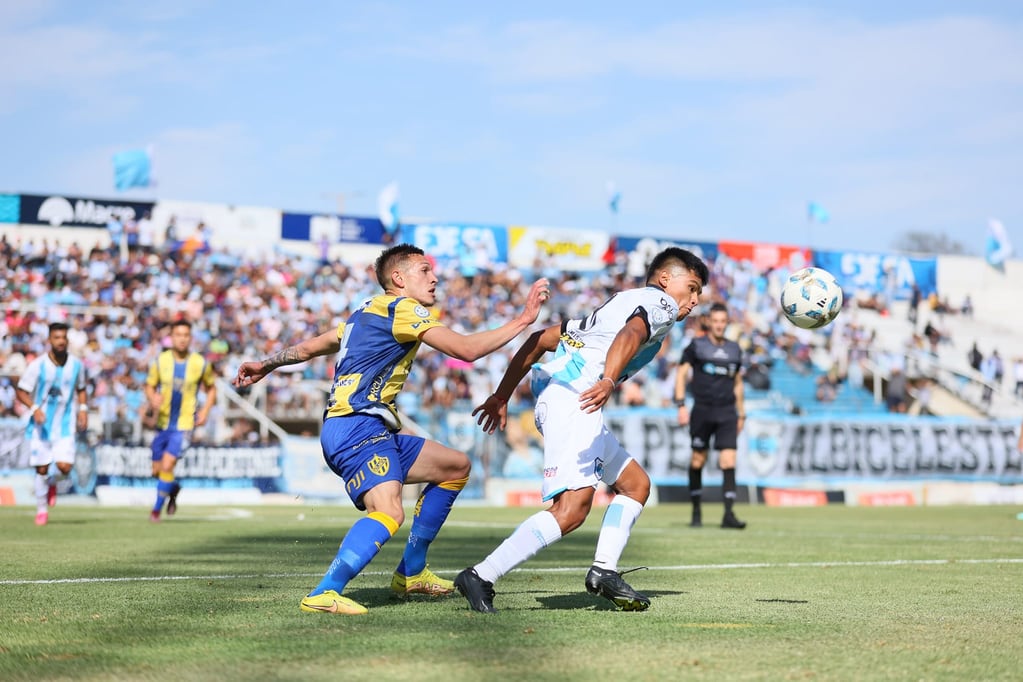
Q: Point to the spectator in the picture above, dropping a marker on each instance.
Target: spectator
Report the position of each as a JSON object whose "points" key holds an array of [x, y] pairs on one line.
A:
{"points": [[1017, 373], [989, 373], [115, 228], [914, 303], [895, 397], [146, 233], [966, 308], [975, 357]]}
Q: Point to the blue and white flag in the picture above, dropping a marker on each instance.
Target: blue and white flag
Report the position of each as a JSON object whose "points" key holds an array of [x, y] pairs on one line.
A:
{"points": [[816, 212], [998, 248], [613, 196], [387, 207], [132, 169]]}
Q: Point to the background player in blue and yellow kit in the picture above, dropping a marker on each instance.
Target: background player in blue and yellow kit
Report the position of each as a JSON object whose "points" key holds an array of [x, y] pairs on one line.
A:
{"points": [[172, 389], [361, 436]]}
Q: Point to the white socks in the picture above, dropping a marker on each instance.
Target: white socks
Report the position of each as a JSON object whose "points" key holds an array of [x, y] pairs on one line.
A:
{"points": [[532, 535], [42, 489], [619, 518]]}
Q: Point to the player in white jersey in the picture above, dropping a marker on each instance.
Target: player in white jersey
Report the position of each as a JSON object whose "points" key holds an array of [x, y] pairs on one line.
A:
{"points": [[592, 356], [53, 389]]}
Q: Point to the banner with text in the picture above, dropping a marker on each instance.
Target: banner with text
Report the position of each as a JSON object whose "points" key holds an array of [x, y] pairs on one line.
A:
{"points": [[57, 210], [786, 449], [643, 249], [879, 272], [764, 256], [539, 248], [131, 465], [331, 228], [468, 247]]}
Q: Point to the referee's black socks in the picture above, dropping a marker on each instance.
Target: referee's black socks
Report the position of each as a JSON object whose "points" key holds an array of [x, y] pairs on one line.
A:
{"points": [[728, 488]]}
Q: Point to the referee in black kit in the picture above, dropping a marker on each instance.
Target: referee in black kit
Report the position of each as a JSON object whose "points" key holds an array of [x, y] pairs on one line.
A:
{"points": [[718, 410]]}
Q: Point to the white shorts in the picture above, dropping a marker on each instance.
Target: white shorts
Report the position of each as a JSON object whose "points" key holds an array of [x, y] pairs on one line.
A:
{"points": [[43, 452], [578, 450]]}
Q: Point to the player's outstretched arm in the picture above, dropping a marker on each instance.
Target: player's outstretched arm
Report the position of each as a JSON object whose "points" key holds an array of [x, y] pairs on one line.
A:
{"points": [[471, 347], [493, 413], [623, 348], [252, 371]]}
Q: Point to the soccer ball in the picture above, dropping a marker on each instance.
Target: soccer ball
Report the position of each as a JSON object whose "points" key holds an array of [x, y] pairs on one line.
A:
{"points": [[811, 298]]}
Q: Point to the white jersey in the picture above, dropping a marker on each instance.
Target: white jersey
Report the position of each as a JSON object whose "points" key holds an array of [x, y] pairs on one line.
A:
{"points": [[55, 389], [582, 350]]}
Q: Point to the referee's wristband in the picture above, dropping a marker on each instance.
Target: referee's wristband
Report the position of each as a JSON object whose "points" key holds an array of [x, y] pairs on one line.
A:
{"points": [[680, 403], [83, 408], [32, 410]]}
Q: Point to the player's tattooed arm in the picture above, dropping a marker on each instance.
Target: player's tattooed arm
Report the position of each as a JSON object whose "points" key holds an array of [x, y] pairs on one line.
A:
{"points": [[324, 344], [288, 356]]}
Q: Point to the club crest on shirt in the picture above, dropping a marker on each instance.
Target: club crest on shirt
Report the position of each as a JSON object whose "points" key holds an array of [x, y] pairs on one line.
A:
{"points": [[421, 311], [379, 465]]}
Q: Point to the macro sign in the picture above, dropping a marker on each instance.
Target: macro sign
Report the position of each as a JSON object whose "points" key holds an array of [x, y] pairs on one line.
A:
{"points": [[57, 210]]}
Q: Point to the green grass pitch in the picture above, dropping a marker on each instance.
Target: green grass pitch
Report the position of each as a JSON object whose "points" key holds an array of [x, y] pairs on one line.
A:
{"points": [[833, 593]]}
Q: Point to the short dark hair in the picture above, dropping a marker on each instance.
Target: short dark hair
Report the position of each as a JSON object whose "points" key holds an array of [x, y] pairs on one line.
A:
{"points": [[718, 306], [181, 323], [59, 327], [391, 258], [676, 255]]}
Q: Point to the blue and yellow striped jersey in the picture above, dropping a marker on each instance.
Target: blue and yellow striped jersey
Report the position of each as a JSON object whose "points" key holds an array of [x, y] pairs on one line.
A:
{"points": [[179, 388], [378, 344]]}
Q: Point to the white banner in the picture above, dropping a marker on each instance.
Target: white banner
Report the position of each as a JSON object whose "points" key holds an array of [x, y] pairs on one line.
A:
{"points": [[792, 448], [560, 248], [199, 461], [252, 229]]}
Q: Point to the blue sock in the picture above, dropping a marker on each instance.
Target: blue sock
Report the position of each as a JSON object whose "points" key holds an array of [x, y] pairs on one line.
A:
{"points": [[164, 485], [362, 542], [431, 512]]}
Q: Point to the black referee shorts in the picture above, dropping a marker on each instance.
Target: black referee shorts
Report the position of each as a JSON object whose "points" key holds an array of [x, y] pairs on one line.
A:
{"points": [[719, 423]]}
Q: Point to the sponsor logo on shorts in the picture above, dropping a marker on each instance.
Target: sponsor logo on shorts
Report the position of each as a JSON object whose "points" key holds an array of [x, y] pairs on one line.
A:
{"points": [[355, 482], [379, 465], [540, 415], [550, 472], [370, 441], [598, 468]]}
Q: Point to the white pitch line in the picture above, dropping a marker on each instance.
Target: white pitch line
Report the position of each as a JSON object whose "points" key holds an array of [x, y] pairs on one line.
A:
{"points": [[557, 569]]}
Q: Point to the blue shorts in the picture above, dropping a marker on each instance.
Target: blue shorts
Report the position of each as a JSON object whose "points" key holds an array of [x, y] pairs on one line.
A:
{"points": [[169, 441], [362, 451]]}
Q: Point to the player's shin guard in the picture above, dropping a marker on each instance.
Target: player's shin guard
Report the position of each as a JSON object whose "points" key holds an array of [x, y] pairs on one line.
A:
{"points": [[432, 510], [164, 484], [361, 544], [619, 518]]}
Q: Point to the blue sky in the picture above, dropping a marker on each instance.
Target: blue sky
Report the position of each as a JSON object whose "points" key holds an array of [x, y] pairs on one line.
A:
{"points": [[715, 120]]}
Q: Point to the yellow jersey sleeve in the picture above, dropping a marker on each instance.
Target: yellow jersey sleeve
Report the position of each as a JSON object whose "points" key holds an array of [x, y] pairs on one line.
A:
{"points": [[208, 376], [154, 374], [411, 319]]}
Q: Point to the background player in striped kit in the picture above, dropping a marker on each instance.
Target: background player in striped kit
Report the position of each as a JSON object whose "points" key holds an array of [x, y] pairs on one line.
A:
{"points": [[53, 388], [172, 389]]}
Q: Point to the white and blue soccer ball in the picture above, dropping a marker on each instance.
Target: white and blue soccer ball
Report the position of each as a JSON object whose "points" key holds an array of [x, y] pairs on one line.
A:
{"points": [[811, 298]]}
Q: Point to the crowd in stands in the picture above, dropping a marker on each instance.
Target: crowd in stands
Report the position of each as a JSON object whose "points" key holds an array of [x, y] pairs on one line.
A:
{"points": [[248, 308]]}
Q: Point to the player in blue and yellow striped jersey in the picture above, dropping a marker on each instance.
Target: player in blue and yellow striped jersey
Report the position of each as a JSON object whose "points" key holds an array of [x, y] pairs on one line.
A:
{"points": [[361, 436], [172, 388]]}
